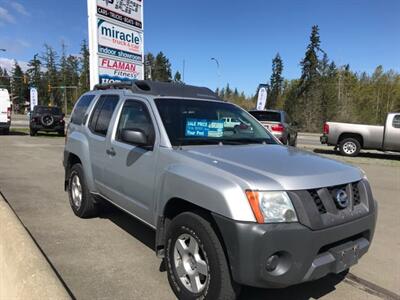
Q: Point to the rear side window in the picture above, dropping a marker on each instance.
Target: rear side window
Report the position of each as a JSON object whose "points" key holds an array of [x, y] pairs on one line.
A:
{"points": [[267, 116], [102, 114], [80, 109], [396, 121]]}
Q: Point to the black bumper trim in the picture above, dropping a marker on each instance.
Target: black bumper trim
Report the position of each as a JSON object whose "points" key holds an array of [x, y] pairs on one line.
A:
{"points": [[249, 245]]}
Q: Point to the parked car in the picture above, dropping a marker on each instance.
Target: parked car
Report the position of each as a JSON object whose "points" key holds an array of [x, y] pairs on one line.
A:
{"points": [[47, 119], [351, 138], [229, 207], [5, 111], [279, 123]]}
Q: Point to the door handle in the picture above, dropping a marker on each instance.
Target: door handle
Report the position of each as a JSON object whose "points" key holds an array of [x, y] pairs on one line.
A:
{"points": [[111, 152]]}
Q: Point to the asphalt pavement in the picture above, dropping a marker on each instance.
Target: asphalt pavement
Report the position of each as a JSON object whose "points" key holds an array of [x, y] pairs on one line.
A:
{"points": [[112, 257]]}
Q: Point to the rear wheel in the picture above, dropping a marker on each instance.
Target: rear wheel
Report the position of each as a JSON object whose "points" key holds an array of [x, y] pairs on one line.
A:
{"points": [[80, 199], [195, 260], [349, 147]]}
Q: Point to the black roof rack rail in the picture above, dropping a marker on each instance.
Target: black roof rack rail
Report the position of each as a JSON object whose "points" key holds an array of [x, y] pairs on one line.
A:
{"points": [[162, 89]]}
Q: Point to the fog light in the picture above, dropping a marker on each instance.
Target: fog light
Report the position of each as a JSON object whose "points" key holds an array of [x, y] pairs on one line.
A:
{"points": [[272, 263]]}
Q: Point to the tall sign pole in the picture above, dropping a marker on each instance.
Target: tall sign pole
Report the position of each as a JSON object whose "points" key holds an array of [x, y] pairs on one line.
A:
{"points": [[93, 43], [116, 40]]}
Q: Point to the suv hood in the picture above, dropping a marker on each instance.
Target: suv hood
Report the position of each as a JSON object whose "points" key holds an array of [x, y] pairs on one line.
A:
{"points": [[275, 167]]}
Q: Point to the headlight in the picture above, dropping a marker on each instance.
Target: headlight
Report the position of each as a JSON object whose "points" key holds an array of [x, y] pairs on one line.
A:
{"points": [[271, 207]]}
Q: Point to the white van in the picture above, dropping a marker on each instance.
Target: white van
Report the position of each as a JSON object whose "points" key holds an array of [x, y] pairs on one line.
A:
{"points": [[5, 111]]}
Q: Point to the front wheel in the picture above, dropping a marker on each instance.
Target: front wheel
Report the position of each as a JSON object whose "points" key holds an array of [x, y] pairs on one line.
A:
{"points": [[349, 147], [80, 199], [195, 260]]}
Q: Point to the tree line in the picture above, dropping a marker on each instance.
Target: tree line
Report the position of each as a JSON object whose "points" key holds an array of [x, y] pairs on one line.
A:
{"points": [[327, 92], [324, 91]]}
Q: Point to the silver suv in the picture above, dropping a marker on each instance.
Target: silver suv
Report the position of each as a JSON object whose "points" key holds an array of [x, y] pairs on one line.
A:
{"points": [[230, 205]]}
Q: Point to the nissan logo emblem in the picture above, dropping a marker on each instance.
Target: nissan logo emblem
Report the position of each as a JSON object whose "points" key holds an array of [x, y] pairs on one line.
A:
{"points": [[342, 199]]}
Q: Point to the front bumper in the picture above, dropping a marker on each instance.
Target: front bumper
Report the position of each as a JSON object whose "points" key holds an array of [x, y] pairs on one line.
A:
{"points": [[302, 254]]}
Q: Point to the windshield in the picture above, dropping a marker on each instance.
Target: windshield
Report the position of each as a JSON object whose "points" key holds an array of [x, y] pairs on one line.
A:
{"points": [[200, 122], [269, 116]]}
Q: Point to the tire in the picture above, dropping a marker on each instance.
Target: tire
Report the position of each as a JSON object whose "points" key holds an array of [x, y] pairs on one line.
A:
{"points": [[349, 147], [6, 131], [32, 132], [83, 206], [47, 120], [190, 231]]}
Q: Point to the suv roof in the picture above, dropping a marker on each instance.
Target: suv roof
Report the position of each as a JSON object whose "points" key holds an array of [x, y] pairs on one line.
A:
{"points": [[162, 89]]}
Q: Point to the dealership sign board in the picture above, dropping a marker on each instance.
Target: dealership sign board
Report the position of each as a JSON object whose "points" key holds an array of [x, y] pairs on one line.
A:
{"points": [[115, 40], [110, 36], [128, 12], [112, 70]]}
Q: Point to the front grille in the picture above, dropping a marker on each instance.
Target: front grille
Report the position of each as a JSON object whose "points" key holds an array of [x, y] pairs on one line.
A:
{"points": [[329, 194], [318, 201], [356, 194]]}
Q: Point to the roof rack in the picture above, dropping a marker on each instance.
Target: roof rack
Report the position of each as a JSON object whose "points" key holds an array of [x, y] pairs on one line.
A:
{"points": [[162, 89]]}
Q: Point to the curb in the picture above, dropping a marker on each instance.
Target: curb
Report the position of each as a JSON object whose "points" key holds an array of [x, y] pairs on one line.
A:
{"points": [[24, 271]]}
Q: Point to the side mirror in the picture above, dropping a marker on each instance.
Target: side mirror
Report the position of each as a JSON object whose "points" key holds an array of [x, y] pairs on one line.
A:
{"points": [[134, 136]]}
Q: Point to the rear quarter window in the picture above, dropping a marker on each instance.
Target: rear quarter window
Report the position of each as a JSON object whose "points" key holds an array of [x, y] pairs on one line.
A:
{"points": [[102, 114], [80, 109]]}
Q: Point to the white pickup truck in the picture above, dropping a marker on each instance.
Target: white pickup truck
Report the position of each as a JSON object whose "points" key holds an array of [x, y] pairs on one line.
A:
{"points": [[351, 138], [5, 111]]}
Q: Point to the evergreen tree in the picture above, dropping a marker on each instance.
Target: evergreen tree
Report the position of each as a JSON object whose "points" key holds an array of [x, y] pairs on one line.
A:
{"points": [[50, 58], [308, 103], [162, 68], [34, 71], [84, 77], [19, 87], [4, 78], [177, 77], [310, 62], [276, 81]]}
